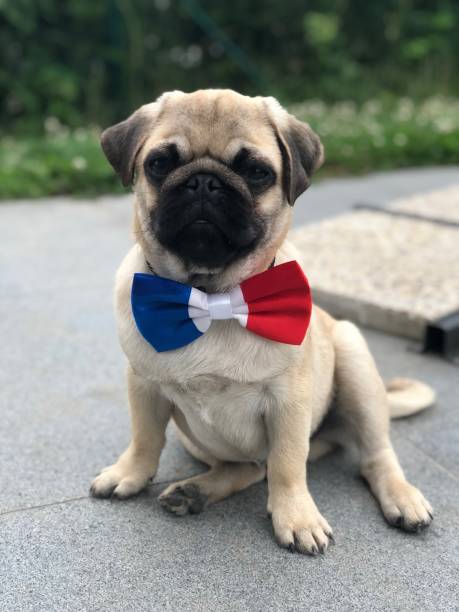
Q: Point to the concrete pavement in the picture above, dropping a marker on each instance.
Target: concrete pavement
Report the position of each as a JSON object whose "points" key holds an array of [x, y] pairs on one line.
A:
{"points": [[64, 417]]}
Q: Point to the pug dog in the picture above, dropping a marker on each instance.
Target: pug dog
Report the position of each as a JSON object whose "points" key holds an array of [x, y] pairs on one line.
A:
{"points": [[215, 176]]}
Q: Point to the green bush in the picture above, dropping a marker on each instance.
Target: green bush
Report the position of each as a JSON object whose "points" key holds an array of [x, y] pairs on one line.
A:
{"points": [[94, 62], [376, 135]]}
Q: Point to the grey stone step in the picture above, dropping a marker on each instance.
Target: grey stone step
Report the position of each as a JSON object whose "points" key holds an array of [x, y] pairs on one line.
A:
{"points": [[391, 273], [442, 204]]}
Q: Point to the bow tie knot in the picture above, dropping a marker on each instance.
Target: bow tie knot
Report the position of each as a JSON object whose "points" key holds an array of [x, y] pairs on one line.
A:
{"points": [[275, 304], [220, 306], [204, 308]]}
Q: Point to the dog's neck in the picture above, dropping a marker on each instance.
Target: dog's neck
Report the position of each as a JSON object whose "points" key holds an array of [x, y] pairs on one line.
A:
{"points": [[201, 281]]}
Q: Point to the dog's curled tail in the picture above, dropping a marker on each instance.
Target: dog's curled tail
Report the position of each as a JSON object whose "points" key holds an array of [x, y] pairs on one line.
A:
{"points": [[407, 396]]}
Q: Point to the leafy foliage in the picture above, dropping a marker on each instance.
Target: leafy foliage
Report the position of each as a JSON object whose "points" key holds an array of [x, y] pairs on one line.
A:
{"points": [[94, 62]]}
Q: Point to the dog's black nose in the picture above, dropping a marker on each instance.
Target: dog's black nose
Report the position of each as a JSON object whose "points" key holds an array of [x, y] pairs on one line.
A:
{"points": [[207, 183]]}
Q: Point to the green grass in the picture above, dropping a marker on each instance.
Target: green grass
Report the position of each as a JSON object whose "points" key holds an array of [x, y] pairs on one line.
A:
{"points": [[59, 162], [376, 136]]}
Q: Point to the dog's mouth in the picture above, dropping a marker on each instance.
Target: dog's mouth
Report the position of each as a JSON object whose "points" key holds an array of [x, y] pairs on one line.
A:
{"points": [[203, 229], [201, 236], [204, 225], [206, 243], [207, 229]]}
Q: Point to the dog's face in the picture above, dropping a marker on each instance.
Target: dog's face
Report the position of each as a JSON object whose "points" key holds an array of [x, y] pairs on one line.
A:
{"points": [[215, 174]]}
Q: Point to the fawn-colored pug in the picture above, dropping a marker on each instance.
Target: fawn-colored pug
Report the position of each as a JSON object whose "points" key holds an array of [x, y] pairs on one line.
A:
{"points": [[215, 177]]}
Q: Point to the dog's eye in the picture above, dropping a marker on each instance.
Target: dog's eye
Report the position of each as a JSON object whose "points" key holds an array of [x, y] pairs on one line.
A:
{"points": [[159, 163], [257, 174]]}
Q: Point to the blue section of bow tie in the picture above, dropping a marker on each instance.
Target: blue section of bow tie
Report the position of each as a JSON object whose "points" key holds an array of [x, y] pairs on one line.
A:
{"points": [[160, 309]]}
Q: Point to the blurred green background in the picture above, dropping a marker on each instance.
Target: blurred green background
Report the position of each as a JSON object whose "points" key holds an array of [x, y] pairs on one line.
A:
{"points": [[378, 80]]}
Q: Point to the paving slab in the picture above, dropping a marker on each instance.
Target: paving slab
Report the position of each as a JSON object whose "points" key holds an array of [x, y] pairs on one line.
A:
{"points": [[62, 371], [101, 555], [63, 396], [387, 272]]}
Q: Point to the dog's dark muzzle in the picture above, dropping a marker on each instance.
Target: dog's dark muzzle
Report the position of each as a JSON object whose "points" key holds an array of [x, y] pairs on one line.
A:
{"points": [[208, 218]]}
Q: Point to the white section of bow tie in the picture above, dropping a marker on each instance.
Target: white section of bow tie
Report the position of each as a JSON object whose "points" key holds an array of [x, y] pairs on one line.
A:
{"points": [[204, 308]]}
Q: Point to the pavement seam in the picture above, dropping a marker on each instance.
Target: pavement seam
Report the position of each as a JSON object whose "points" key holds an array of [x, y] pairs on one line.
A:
{"points": [[70, 500], [434, 461], [39, 506], [405, 214]]}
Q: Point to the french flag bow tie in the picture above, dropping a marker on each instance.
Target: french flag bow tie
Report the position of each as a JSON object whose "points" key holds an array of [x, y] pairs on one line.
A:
{"points": [[275, 304]]}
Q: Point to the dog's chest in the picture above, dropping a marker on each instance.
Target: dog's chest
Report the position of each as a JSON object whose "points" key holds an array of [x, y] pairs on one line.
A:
{"points": [[226, 417], [220, 384]]}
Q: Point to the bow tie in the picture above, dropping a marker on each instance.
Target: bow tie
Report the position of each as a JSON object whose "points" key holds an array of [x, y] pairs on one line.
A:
{"points": [[275, 304]]}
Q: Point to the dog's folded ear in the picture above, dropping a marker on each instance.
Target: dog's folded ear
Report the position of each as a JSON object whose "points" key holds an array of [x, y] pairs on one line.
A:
{"points": [[121, 142], [301, 150], [302, 154]]}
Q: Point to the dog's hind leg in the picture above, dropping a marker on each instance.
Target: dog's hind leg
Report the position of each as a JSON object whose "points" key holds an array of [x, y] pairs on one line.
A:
{"points": [[192, 495], [363, 404]]}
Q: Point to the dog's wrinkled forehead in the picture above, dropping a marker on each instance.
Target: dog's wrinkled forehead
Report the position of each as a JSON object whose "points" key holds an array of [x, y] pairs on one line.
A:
{"points": [[213, 123], [217, 124]]}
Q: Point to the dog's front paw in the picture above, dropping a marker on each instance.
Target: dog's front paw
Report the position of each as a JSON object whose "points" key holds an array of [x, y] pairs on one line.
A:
{"points": [[404, 506], [298, 524], [183, 498], [127, 477]]}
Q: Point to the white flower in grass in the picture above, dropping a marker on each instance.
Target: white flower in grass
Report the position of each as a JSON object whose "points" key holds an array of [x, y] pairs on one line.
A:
{"points": [[445, 124], [316, 108], [372, 127], [346, 109], [79, 163], [80, 134], [52, 125], [372, 107], [405, 109]]}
